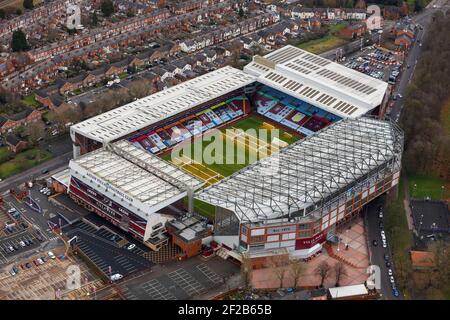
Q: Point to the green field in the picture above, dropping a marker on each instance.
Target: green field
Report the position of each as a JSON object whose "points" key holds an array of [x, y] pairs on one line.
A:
{"points": [[224, 163], [31, 101], [5, 154], [427, 187], [23, 161], [219, 152], [325, 43]]}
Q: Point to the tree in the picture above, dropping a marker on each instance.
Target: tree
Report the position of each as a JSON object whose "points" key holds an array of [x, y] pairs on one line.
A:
{"points": [[279, 267], [140, 88], [2, 14], [296, 269], [35, 131], [65, 114], [19, 41], [241, 12], [417, 6], [339, 271], [246, 271], [28, 4], [441, 253], [94, 19], [18, 11], [323, 270], [107, 8]]}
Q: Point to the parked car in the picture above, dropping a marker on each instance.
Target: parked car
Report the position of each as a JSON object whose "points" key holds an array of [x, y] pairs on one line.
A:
{"points": [[390, 273], [51, 255], [116, 277], [131, 246], [375, 243], [395, 292]]}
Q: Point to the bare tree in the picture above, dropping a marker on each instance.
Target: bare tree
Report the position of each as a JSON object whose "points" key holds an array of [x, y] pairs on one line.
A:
{"points": [[246, 271], [296, 269], [323, 270], [279, 268], [35, 130], [441, 255], [339, 271], [140, 88], [66, 114]]}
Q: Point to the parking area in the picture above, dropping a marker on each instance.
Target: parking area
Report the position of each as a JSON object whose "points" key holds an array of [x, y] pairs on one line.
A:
{"points": [[378, 63], [20, 242], [106, 249], [179, 280], [34, 281]]}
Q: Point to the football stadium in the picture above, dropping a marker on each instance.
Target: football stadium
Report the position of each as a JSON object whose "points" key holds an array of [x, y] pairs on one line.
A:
{"points": [[268, 158]]}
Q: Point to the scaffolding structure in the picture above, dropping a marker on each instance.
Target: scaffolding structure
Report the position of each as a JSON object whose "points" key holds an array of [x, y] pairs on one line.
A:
{"points": [[306, 178]]}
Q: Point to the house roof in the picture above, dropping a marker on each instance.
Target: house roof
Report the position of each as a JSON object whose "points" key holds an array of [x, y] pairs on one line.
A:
{"points": [[21, 115], [57, 100], [13, 140], [2, 120]]}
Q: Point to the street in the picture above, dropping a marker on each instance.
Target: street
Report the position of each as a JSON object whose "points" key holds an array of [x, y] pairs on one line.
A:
{"points": [[377, 252]]}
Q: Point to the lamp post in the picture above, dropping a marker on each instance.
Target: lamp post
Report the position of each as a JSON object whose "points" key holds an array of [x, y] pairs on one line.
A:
{"points": [[442, 192]]}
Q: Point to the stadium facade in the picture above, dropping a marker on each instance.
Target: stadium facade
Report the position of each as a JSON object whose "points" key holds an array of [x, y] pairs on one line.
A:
{"points": [[290, 200]]}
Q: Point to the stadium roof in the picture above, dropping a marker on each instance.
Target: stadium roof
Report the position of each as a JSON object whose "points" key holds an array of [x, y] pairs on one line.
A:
{"points": [[319, 81], [309, 172], [135, 174], [112, 125]]}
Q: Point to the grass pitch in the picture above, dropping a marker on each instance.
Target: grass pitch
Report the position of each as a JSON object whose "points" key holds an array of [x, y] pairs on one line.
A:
{"points": [[219, 155]]}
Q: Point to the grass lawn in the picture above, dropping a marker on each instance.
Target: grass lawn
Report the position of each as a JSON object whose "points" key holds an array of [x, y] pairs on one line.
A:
{"points": [[123, 75], [399, 236], [30, 100], [327, 42], [5, 154], [23, 161], [203, 208], [427, 187]]}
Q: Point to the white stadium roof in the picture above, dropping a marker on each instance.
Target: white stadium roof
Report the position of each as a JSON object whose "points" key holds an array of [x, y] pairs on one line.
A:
{"points": [[316, 80], [114, 124], [127, 170], [311, 171], [319, 81]]}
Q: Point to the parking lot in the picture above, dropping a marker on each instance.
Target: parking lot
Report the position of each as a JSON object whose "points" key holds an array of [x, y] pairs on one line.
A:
{"points": [[40, 282], [376, 62], [17, 236], [103, 248], [185, 280]]}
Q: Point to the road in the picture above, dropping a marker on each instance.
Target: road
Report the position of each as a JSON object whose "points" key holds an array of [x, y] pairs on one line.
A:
{"points": [[423, 19], [377, 252], [54, 165]]}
